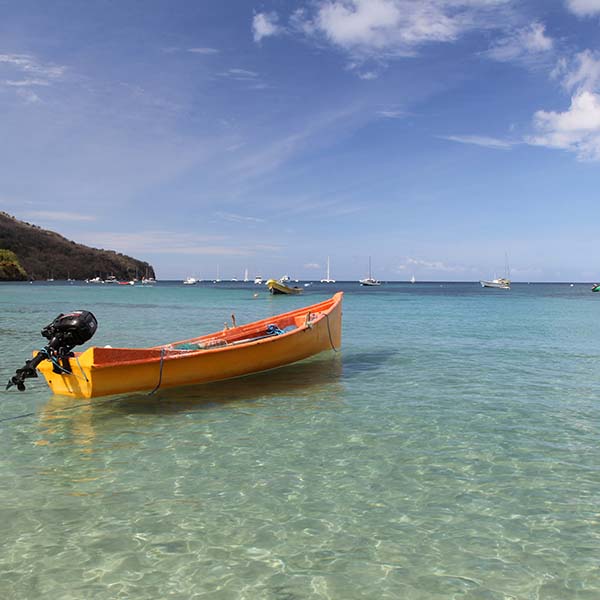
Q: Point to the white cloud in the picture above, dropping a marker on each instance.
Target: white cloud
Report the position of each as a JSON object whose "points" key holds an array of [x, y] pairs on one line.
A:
{"points": [[576, 130], [584, 8], [480, 140], [396, 27], [524, 44], [264, 25]]}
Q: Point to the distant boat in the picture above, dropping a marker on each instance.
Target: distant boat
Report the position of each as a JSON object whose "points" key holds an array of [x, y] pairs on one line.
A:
{"points": [[258, 280], [501, 283], [596, 287], [112, 279], [190, 281], [95, 280], [328, 277], [279, 287], [369, 281], [246, 276], [412, 279]]}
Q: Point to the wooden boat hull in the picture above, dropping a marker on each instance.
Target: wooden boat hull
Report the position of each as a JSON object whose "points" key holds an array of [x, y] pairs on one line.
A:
{"points": [[226, 354], [276, 287]]}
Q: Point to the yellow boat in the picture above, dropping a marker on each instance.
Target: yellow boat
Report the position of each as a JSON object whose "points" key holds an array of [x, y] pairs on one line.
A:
{"points": [[278, 287], [240, 350]]}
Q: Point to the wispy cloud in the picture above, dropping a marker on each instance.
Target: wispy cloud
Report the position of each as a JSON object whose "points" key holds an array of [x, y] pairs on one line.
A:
{"points": [[526, 45], [25, 82], [265, 25], [29, 64], [480, 140], [584, 8], [391, 114], [203, 50], [32, 72], [166, 242], [241, 74], [53, 215], [410, 263], [235, 218]]}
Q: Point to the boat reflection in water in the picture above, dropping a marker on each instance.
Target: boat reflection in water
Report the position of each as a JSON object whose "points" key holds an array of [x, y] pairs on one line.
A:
{"points": [[303, 385]]}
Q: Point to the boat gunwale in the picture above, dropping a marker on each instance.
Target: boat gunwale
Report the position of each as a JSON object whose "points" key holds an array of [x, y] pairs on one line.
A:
{"points": [[175, 354]]}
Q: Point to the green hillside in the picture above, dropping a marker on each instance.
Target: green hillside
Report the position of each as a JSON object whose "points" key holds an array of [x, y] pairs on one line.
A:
{"points": [[30, 252]]}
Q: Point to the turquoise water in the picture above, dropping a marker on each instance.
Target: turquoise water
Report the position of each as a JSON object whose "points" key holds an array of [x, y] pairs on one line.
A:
{"points": [[450, 450]]}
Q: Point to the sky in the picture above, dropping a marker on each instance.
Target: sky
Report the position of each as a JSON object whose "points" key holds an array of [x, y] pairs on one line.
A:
{"points": [[209, 137]]}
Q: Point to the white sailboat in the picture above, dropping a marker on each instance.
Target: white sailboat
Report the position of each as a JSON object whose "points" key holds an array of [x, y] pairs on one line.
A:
{"points": [[369, 280], [246, 276], [328, 277], [412, 279], [501, 283]]}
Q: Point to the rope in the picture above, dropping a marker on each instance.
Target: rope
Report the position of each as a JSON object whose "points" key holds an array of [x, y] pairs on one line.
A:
{"points": [[329, 332], [162, 362]]}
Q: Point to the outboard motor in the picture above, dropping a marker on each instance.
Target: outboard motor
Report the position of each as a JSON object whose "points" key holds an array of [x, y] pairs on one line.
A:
{"points": [[63, 334]]}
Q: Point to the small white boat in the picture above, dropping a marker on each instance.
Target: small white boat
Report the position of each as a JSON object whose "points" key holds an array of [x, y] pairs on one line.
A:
{"points": [[412, 279], [328, 277], [501, 283], [258, 280], [190, 281], [369, 281], [94, 280]]}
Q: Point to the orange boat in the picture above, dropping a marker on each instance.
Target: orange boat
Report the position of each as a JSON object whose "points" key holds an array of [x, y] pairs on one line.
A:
{"points": [[239, 350]]}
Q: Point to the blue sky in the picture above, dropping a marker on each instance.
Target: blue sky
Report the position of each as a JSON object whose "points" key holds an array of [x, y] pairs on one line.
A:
{"points": [[434, 135]]}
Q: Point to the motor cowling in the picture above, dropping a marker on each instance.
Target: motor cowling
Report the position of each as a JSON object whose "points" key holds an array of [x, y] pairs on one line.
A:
{"points": [[70, 330], [63, 334]]}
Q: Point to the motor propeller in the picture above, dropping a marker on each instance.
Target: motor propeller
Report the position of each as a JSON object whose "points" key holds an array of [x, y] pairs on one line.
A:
{"points": [[63, 334]]}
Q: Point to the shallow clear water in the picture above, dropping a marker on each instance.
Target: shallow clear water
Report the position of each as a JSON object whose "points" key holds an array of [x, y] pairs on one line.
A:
{"points": [[450, 450]]}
